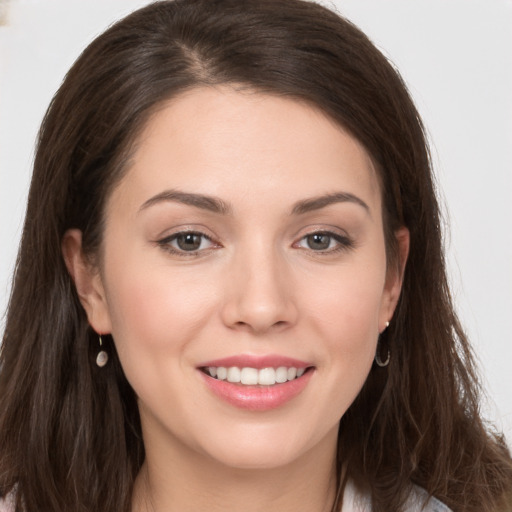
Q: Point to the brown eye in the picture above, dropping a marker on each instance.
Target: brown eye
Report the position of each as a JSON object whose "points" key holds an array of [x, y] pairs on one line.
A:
{"points": [[189, 241], [325, 242], [186, 242], [318, 241]]}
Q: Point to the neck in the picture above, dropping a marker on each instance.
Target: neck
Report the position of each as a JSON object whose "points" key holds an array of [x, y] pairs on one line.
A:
{"points": [[167, 483]]}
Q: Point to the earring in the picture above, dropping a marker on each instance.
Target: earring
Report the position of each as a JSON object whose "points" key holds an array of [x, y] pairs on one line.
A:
{"points": [[378, 360], [102, 357]]}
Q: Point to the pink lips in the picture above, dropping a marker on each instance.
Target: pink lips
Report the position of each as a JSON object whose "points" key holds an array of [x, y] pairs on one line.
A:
{"points": [[267, 361], [256, 398]]}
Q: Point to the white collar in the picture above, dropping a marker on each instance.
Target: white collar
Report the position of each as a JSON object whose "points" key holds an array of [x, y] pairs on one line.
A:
{"points": [[355, 501]]}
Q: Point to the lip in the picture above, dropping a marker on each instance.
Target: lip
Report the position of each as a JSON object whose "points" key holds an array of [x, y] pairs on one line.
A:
{"points": [[254, 361], [256, 398]]}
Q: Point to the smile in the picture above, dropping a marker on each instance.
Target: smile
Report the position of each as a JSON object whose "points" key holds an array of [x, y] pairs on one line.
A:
{"points": [[248, 376], [256, 383]]}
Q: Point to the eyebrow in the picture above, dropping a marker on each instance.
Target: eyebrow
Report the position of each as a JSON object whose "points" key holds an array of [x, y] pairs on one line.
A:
{"points": [[216, 205], [209, 203], [316, 203]]}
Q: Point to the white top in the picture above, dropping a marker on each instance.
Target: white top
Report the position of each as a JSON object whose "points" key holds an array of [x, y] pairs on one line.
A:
{"points": [[352, 502], [7, 504]]}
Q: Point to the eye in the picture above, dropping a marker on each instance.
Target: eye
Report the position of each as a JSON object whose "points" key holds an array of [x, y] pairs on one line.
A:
{"points": [[186, 242], [322, 241]]}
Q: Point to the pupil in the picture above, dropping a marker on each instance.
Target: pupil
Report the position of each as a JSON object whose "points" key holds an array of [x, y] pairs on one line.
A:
{"points": [[319, 241], [189, 242]]}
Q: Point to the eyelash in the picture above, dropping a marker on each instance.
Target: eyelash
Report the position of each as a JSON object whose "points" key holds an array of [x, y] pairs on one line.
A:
{"points": [[165, 243], [344, 243]]}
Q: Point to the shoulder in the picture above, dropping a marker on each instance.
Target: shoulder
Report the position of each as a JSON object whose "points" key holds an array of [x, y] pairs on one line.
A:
{"points": [[419, 498], [419, 501]]}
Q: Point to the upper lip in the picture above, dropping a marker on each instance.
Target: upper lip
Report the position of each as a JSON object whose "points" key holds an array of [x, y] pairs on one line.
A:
{"points": [[256, 361]]}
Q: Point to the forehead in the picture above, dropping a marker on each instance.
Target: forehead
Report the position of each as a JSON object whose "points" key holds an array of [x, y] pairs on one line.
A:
{"points": [[222, 141]]}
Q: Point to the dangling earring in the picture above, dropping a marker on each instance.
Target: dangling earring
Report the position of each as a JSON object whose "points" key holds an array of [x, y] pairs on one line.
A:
{"points": [[102, 357], [378, 360]]}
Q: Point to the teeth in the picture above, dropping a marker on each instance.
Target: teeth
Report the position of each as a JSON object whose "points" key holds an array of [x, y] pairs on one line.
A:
{"points": [[253, 376], [249, 376], [281, 374], [234, 374], [267, 377]]}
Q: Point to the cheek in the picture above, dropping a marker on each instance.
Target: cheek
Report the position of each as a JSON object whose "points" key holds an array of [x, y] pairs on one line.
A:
{"points": [[344, 314], [157, 316], [154, 309], [348, 304]]}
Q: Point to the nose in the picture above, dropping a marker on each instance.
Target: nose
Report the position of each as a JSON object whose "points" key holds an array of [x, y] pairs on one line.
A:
{"points": [[259, 294]]}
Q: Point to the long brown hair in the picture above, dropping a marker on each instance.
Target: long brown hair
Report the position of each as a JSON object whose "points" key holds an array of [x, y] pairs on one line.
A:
{"points": [[70, 435]]}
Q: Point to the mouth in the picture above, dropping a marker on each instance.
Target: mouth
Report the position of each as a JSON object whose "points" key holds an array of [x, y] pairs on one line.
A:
{"points": [[249, 376], [256, 383]]}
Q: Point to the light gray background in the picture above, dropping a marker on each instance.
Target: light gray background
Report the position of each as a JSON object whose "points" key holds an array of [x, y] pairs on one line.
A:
{"points": [[456, 57]]}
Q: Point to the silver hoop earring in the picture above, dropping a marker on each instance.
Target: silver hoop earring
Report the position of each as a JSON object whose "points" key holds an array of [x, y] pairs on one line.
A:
{"points": [[379, 361], [102, 357]]}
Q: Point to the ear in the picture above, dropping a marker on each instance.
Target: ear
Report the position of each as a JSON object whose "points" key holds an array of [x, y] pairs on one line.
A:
{"points": [[394, 278], [87, 279]]}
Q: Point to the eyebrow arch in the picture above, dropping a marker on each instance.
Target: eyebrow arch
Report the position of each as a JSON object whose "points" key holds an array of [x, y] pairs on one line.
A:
{"points": [[204, 202], [316, 203]]}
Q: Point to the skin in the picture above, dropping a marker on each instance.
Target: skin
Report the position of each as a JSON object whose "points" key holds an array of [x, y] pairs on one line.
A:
{"points": [[257, 285]]}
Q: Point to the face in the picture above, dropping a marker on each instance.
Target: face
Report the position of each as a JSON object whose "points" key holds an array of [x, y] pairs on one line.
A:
{"points": [[245, 242]]}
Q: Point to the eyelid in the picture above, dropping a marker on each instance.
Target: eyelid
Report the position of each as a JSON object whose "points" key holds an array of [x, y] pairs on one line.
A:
{"points": [[164, 242], [344, 241]]}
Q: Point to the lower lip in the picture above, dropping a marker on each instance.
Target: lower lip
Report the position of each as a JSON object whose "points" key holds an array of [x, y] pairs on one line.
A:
{"points": [[257, 398]]}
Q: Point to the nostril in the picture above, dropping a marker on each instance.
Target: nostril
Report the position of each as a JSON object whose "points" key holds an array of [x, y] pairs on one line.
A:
{"points": [[248, 309], [265, 327]]}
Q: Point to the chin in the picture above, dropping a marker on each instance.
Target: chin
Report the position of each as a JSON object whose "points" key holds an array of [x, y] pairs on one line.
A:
{"points": [[257, 458], [266, 447]]}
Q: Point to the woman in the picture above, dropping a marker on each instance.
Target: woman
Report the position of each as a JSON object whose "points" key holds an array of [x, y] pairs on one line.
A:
{"points": [[222, 297]]}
